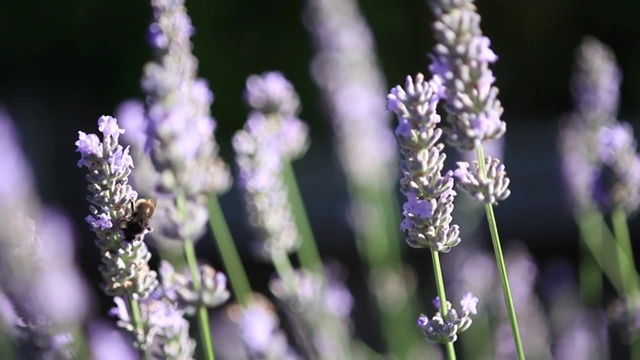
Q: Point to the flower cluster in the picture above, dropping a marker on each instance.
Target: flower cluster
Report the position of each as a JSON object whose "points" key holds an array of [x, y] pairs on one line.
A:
{"points": [[460, 62], [125, 268], [180, 289], [599, 159], [488, 189], [272, 135], [180, 128], [166, 331], [439, 329], [430, 194]]}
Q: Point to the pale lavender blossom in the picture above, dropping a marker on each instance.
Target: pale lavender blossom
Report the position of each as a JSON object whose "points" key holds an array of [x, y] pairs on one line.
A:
{"points": [[429, 193], [353, 87], [262, 147], [166, 330], [261, 334], [311, 302], [180, 289], [439, 329], [488, 188], [179, 128], [46, 294], [595, 89], [460, 62]]}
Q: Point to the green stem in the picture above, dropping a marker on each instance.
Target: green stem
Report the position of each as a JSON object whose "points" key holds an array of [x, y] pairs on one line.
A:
{"points": [[590, 275], [308, 252], [502, 268], [137, 323], [592, 231], [228, 252], [627, 268], [203, 316], [437, 270]]}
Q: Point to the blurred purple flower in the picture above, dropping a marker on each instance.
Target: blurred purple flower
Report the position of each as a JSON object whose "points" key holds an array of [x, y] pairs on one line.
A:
{"points": [[179, 128], [261, 150], [460, 62], [353, 86]]}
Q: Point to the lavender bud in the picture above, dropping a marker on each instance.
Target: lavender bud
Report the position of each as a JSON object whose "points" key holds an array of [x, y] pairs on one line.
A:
{"points": [[125, 268], [488, 189], [180, 290], [439, 329], [460, 62], [427, 212]]}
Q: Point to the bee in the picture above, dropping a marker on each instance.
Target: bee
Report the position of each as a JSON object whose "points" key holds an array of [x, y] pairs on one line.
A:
{"points": [[135, 222]]}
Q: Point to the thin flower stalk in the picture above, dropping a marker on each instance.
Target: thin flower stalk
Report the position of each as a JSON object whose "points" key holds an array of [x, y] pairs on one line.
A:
{"points": [[44, 298], [347, 72], [460, 62]]}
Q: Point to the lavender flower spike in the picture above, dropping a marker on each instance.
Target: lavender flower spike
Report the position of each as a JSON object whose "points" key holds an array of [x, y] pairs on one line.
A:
{"points": [[488, 189], [125, 268], [180, 128], [271, 135], [430, 194], [439, 329], [460, 61]]}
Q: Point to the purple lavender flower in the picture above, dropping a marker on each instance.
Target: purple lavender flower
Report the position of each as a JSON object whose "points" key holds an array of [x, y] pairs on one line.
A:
{"points": [[595, 84], [46, 296], [107, 343], [460, 62], [427, 212], [439, 329], [617, 180], [125, 268], [180, 128], [489, 188], [261, 149], [260, 332], [349, 76], [595, 88], [311, 302], [165, 328], [179, 287]]}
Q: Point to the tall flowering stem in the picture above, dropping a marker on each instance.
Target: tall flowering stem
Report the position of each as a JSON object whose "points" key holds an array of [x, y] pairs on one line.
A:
{"points": [[353, 86], [181, 144], [429, 192], [460, 61], [125, 262]]}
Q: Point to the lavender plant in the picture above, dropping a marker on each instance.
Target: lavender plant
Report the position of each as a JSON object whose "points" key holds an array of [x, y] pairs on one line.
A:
{"points": [[603, 172], [429, 193], [125, 262], [460, 62], [46, 295], [352, 85]]}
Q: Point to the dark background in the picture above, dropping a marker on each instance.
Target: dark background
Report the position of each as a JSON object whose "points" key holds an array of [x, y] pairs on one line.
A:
{"points": [[65, 63]]}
